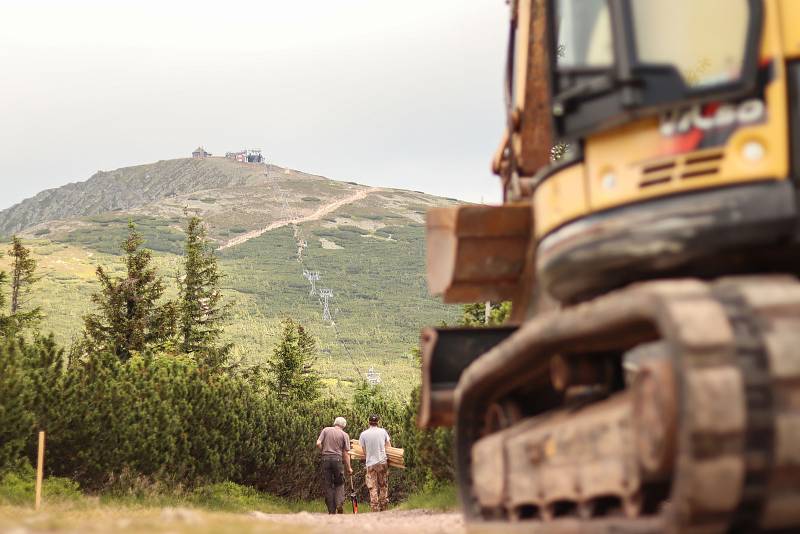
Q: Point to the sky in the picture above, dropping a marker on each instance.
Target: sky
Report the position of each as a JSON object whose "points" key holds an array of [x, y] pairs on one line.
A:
{"points": [[402, 94]]}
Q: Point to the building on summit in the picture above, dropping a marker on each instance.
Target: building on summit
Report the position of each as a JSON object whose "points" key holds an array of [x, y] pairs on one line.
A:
{"points": [[200, 152], [250, 155]]}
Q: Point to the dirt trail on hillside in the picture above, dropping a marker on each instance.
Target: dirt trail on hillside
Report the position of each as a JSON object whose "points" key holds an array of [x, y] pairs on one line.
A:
{"points": [[320, 213], [391, 522]]}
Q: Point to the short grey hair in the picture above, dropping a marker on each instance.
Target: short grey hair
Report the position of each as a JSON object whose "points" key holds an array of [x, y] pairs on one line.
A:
{"points": [[341, 422]]}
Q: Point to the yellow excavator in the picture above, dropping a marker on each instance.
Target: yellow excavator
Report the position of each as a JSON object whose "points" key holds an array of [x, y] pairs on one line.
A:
{"points": [[649, 241]]}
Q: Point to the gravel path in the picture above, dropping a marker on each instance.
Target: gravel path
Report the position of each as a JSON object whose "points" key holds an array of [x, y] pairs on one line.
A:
{"points": [[391, 522]]}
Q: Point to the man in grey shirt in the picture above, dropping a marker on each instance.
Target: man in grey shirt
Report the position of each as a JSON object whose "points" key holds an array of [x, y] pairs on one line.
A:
{"points": [[374, 441], [334, 443]]}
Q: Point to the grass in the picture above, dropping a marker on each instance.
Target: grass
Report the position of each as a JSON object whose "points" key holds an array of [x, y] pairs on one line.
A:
{"points": [[17, 490], [221, 497], [96, 518], [438, 498], [223, 507]]}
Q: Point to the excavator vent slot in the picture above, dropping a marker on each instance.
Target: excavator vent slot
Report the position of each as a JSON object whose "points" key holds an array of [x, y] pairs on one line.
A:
{"points": [[659, 167], [700, 172], [655, 181], [703, 158]]}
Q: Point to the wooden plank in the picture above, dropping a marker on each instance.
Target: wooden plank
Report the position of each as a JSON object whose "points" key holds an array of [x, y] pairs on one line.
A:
{"points": [[394, 455]]}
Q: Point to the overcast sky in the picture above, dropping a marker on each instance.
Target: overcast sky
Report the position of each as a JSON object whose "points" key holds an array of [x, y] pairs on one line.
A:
{"points": [[405, 94]]}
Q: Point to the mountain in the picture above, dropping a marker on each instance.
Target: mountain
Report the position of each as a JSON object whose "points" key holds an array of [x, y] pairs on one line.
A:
{"points": [[271, 226], [130, 187]]}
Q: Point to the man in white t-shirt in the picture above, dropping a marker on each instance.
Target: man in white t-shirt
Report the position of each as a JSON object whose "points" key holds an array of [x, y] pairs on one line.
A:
{"points": [[374, 441]]}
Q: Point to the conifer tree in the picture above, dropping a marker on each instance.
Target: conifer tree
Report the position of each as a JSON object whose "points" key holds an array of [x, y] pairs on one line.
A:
{"points": [[130, 317], [291, 367], [3, 280], [200, 308], [23, 276], [16, 417], [3, 318], [475, 314]]}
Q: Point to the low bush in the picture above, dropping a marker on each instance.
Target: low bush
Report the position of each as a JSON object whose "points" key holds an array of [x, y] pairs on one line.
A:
{"points": [[18, 486], [160, 424]]}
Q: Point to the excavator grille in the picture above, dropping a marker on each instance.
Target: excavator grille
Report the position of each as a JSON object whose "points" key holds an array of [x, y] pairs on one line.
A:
{"points": [[694, 165]]}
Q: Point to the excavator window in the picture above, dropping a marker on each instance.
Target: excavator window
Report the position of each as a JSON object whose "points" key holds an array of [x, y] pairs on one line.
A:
{"points": [[584, 34], [704, 40], [615, 60]]}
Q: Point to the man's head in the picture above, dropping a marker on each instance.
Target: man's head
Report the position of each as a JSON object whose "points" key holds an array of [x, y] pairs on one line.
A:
{"points": [[341, 422], [373, 420]]}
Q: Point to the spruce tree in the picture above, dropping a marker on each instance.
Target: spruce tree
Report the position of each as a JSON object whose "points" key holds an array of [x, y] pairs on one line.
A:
{"points": [[3, 317], [16, 417], [130, 317], [291, 367], [200, 308], [475, 314], [23, 276]]}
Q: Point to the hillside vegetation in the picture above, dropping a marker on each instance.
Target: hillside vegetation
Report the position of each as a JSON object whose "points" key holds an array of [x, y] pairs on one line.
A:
{"points": [[369, 252], [150, 399]]}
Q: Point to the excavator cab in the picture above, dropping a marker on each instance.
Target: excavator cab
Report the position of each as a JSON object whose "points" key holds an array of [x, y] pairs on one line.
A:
{"points": [[678, 120], [649, 377]]}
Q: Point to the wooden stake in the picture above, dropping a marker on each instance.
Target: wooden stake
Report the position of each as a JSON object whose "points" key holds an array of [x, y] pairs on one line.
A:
{"points": [[40, 470]]}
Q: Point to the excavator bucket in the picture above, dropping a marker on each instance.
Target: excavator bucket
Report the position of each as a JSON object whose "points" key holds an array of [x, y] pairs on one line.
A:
{"points": [[477, 253]]}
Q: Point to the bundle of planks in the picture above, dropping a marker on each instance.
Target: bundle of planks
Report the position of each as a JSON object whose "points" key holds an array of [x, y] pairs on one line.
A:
{"points": [[393, 454]]}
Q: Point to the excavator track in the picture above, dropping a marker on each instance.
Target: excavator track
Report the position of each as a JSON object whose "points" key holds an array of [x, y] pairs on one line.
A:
{"points": [[705, 438]]}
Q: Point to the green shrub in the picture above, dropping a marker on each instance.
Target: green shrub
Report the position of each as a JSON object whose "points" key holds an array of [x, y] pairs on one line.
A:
{"points": [[16, 414], [353, 229], [18, 486], [311, 199], [60, 489], [158, 424], [41, 231]]}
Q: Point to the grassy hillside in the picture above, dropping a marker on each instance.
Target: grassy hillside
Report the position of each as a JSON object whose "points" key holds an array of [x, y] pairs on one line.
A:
{"points": [[369, 251]]}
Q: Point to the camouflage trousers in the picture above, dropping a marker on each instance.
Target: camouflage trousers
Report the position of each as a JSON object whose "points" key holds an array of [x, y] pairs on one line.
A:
{"points": [[378, 484]]}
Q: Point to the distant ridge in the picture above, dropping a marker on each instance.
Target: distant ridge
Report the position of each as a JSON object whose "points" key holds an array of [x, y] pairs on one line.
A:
{"points": [[131, 187]]}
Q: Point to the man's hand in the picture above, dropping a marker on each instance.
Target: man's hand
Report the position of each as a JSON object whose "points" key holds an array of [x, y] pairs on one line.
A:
{"points": [[346, 460]]}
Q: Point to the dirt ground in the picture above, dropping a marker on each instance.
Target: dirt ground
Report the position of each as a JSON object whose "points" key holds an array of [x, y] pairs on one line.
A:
{"points": [[400, 522], [190, 521]]}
